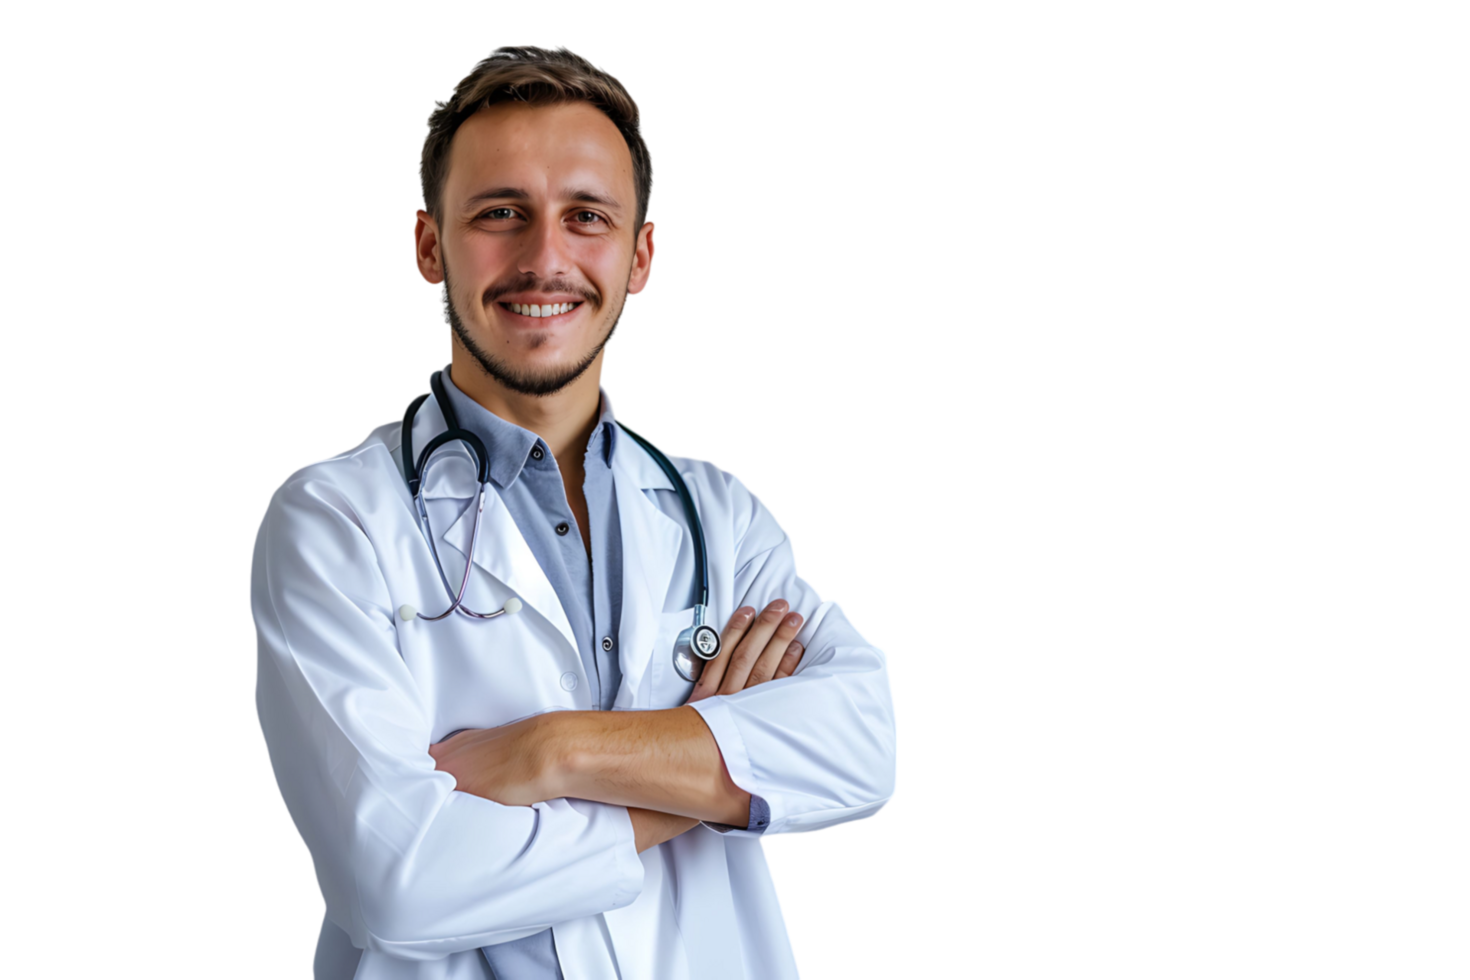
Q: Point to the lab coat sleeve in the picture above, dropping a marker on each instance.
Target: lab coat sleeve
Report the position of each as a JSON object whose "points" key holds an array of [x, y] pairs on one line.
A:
{"points": [[408, 866], [819, 746]]}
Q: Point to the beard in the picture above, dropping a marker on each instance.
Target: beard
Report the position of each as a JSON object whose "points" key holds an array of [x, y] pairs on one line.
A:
{"points": [[549, 380]]}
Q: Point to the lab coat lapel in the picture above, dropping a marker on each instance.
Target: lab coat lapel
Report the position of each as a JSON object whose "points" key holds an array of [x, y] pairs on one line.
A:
{"points": [[651, 542], [501, 551]]}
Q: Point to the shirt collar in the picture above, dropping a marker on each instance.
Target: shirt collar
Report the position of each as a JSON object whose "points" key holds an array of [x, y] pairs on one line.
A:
{"points": [[510, 446]]}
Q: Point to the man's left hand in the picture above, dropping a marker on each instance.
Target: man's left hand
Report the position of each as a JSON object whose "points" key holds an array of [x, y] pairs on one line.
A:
{"points": [[512, 764]]}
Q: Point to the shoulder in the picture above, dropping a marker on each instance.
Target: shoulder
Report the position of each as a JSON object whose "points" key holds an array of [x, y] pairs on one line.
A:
{"points": [[719, 492], [321, 533], [353, 483]]}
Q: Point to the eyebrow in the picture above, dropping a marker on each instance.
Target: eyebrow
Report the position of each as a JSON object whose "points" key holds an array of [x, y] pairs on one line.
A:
{"points": [[582, 196]]}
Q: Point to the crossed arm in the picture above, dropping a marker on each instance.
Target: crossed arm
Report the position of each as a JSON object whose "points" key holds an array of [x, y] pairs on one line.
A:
{"points": [[664, 766]]}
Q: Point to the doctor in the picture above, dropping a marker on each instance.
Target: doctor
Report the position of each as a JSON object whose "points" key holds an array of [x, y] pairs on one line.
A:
{"points": [[542, 794]]}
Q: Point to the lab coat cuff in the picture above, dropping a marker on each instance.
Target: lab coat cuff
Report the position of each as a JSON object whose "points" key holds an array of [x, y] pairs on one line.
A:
{"points": [[716, 714]]}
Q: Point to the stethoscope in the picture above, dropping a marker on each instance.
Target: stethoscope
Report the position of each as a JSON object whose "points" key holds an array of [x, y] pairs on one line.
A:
{"points": [[694, 646]]}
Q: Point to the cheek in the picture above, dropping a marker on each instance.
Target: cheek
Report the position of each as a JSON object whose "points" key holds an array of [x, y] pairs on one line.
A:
{"points": [[603, 265], [479, 261]]}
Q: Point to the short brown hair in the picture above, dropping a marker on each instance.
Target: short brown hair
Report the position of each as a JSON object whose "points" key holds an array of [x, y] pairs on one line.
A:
{"points": [[537, 77]]}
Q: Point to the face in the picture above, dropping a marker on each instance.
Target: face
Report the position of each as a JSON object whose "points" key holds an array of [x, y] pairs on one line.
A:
{"points": [[535, 243]]}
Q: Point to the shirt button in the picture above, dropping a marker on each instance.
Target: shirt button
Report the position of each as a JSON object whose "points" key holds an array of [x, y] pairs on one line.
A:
{"points": [[563, 528], [537, 452], [569, 681], [607, 643]]}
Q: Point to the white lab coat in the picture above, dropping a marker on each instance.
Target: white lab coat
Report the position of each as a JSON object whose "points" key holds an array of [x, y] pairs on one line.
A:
{"points": [[417, 876]]}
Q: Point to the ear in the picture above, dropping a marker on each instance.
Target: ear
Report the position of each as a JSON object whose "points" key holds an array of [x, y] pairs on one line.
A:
{"points": [[642, 259], [426, 248]]}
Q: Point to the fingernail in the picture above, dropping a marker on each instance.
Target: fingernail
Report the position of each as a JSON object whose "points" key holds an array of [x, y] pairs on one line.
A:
{"points": [[793, 621], [779, 605]]}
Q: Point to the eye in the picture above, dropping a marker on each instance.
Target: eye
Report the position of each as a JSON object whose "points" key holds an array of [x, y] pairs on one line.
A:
{"points": [[586, 217], [499, 214]]}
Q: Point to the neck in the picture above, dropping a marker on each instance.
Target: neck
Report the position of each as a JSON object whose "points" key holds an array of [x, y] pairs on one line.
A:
{"points": [[563, 420]]}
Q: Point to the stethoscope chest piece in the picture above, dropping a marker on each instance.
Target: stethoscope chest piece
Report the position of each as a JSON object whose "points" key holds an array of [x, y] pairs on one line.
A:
{"points": [[695, 647]]}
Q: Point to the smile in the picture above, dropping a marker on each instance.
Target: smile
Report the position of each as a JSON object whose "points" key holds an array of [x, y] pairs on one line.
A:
{"points": [[541, 310]]}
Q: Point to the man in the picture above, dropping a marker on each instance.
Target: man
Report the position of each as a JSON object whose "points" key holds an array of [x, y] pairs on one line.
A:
{"points": [[541, 794]]}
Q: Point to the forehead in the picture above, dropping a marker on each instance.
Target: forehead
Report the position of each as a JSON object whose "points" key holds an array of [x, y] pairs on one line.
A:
{"points": [[546, 150]]}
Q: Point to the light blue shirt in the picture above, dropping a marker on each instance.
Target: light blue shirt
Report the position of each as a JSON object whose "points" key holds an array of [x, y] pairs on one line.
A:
{"points": [[589, 586]]}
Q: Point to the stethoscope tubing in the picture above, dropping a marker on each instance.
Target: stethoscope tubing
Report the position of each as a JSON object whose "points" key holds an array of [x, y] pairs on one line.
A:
{"points": [[691, 514], [415, 470]]}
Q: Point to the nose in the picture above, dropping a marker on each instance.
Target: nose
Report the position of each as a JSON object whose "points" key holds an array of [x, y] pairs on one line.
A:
{"points": [[543, 251]]}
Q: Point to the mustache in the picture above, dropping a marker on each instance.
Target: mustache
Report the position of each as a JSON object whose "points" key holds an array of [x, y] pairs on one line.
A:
{"points": [[531, 282]]}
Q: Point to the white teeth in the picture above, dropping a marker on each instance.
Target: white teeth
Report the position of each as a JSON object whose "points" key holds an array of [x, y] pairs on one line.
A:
{"points": [[541, 310]]}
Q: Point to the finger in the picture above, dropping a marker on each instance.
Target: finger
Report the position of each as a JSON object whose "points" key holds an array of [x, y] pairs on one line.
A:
{"points": [[744, 657], [789, 660], [714, 671], [746, 653], [770, 658]]}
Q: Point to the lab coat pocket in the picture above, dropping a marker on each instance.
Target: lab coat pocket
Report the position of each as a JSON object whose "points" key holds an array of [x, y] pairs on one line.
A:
{"points": [[669, 690]]}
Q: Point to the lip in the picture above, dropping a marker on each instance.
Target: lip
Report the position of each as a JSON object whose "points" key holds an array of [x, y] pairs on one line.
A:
{"points": [[504, 304]]}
